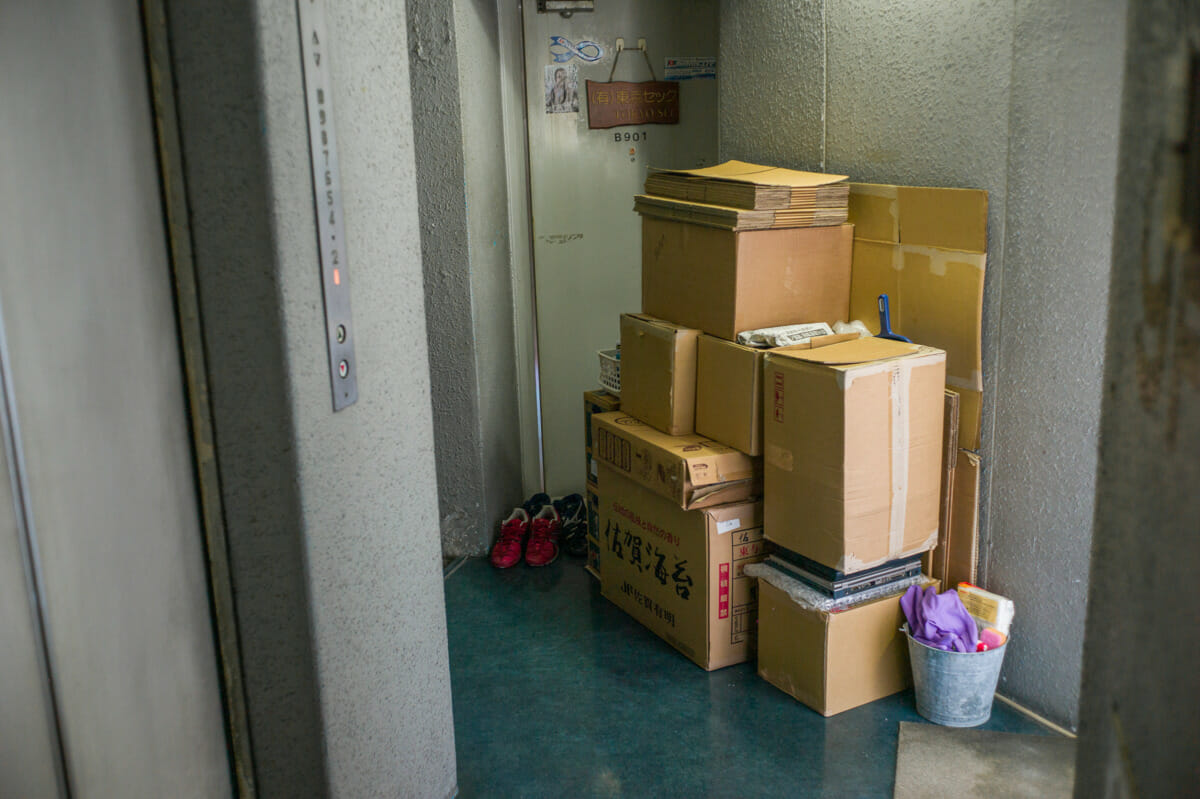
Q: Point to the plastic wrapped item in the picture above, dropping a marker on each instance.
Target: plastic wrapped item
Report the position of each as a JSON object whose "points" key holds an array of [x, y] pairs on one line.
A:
{"points": [[808, 597], [783, 335], [857, 326]]}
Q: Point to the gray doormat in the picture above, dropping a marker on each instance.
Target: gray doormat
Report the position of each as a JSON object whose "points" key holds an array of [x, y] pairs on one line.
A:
{"points": [[934, 761]]}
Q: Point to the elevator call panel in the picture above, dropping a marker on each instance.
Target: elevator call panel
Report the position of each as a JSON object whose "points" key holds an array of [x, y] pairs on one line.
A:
{"points": [[327, 195]]}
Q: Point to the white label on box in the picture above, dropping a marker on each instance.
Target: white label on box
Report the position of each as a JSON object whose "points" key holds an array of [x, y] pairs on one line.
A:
{"points": [[729, 526]]}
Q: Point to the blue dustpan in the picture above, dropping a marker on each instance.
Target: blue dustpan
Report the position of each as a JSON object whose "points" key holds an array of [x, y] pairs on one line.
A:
{"points": [[885, 322]]}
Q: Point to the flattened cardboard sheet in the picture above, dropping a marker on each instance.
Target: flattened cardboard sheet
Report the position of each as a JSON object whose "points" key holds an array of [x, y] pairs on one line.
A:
{"points": [[962, 554], [934, 562], [926, 249]]}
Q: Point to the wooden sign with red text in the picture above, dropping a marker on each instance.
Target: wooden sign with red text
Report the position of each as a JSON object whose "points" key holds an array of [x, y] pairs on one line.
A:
{"points": [[617, 103]]}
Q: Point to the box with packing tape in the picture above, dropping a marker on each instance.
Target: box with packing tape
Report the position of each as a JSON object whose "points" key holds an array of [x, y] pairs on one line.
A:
{"points": [[852, 437], [679, 572], [691, 471]]}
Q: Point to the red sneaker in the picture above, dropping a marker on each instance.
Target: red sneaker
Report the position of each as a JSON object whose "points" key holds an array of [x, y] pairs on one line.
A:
{"points": [[506, 552], [543, 538]]}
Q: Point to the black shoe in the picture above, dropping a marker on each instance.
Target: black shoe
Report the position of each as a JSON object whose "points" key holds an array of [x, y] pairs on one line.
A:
{"points": [[573, 515], [533, 506]]}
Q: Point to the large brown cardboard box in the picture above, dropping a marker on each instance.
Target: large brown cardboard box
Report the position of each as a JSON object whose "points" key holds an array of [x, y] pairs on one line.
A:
{"points": [[658, 373], [680, 573], [832, 661], [691, 471], [723, 282], [852, 440]]}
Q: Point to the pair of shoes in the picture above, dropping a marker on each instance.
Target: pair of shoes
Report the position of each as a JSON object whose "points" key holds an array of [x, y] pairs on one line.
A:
{"points": [[572, 513], [532, 530]]}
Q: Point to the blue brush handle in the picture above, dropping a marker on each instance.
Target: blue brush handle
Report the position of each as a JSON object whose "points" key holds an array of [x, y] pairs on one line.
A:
{"points": [[885, 322]]}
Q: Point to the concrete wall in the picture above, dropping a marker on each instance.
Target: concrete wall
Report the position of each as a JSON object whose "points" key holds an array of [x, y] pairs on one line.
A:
{"points": [[1138, 725], [1019, 100], [454, 60], [332, 523]]}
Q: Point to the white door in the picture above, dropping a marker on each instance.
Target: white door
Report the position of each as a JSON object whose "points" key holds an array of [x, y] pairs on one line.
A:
{"points": [[586, 237], [104, 486]]}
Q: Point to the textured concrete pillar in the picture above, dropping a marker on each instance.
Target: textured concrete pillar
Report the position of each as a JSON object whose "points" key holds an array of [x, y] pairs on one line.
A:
{"points": [[1138, 723], [332, 518]]}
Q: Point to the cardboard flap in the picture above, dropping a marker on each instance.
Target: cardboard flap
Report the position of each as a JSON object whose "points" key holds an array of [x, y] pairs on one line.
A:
{"points": [[848, 352], [719, 468], [654, 325], [743, 172]]}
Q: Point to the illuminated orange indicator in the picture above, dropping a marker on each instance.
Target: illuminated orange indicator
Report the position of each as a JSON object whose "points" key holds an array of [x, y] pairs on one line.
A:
{"points": [[337, 277]]}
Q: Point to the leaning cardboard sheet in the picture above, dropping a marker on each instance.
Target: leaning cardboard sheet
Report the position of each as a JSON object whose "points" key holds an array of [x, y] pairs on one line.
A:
{"points": [[926, 248]]}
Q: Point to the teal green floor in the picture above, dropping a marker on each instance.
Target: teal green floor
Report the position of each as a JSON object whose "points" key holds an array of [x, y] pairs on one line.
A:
{"points": [[557, 693]]}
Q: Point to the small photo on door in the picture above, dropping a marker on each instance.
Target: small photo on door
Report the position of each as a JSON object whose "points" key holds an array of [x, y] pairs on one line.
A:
{"points": [[562, 89]]}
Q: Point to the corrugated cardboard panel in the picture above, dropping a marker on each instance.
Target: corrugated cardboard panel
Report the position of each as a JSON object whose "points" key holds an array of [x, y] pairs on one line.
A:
{"points": [[875, 212], [934, 562], [744, 172], [970, 414], [952, 219], [935, 298], [658, 373], [926, 249], [854, 351], [729, 393], [962, 559]]}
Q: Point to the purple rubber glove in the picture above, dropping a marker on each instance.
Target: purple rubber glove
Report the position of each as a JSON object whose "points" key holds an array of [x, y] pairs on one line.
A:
{"points": [[939, 620]]}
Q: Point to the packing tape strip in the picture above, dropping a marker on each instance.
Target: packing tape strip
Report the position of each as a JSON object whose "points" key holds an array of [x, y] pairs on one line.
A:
{"points": [[901, 379]]}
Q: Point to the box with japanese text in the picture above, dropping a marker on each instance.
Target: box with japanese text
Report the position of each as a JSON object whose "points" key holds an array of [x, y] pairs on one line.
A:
{"points": [[692, 471], [852, 442], [679, 572], [832, 660]]}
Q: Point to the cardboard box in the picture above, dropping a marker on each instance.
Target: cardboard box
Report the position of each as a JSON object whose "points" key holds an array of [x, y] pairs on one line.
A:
{"points": [[926, 248], [593, 533], [723, 282], [691, 471], [679, 572], [729, 393], [832, 661], [852, 437], [595, 401], [729, 404], [658, 373]]}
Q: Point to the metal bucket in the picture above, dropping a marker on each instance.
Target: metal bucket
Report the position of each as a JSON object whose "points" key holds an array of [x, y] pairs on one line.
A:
{"points": [[954, 688]]}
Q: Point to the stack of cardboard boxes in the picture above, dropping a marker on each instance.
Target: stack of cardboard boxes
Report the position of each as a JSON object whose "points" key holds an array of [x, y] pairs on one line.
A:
{"points": [[832, 449]]}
